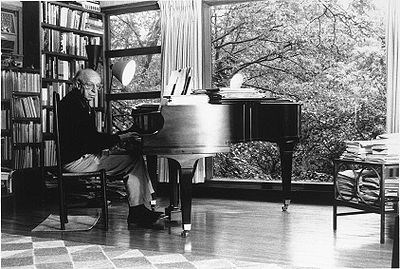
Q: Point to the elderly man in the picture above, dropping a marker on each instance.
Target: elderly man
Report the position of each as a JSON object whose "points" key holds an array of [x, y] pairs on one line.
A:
{"points": [[82, 145]]}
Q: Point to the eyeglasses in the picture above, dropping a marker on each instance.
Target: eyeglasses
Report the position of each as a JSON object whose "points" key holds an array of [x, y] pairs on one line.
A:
{"points": [[91, 86]]}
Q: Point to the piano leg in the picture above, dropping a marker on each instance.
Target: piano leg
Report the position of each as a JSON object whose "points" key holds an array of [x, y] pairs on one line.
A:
{"points": [[286, 153], [173, 211], [187, 164], [152, 169], [186, 199]]}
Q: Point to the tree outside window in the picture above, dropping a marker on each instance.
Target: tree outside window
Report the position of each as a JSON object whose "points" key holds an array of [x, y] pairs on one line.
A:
{"points": [[328, 55], [139, 34]]}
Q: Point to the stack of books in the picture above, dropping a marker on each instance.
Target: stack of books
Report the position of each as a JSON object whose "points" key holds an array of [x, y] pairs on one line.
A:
{"points": [[386, 148]]}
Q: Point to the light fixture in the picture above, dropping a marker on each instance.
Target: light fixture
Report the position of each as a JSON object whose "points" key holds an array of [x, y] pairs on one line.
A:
{"points": [[124, 71], [93, 53]]}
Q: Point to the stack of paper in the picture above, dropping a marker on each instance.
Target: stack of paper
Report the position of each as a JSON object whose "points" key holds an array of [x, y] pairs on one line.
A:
{"points": [[234, 93], [346, 184], [386, 148], [358, 150]]}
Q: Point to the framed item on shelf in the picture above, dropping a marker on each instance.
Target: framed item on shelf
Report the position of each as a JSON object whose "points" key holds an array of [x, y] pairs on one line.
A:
{"points": [[11, 36], [8, 25]]}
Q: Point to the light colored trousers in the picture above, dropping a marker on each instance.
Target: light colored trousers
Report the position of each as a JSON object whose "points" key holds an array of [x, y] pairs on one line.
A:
{"points": [[137, 183]]}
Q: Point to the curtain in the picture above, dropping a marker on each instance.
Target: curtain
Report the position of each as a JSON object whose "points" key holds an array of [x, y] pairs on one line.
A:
{"points": [[181, 38], [393, 66], [181, 47]]}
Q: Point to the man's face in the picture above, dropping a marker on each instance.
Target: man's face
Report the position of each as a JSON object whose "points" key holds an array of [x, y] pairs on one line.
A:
{"points": [[89, 86]]}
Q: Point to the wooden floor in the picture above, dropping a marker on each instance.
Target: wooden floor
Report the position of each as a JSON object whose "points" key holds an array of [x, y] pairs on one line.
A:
{"points": [[246, 230]]}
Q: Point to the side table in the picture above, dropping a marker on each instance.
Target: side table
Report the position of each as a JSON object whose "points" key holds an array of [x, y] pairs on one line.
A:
{"points": [[369, 187]]}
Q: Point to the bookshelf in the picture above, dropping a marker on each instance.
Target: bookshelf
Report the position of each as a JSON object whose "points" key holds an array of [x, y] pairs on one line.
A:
{"points": [[56, 34], [21, 134]]}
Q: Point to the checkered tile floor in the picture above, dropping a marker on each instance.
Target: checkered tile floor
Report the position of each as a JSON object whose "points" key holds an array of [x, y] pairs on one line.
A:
{"points": [[32, 252]]}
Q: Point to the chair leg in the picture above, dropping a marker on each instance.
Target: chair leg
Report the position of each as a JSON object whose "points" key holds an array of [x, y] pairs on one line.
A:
{"points": [[104, 196], [63, 213]]}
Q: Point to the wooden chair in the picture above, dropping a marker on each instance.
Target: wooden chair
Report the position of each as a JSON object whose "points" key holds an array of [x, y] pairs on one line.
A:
{"points": [[63, 175]]}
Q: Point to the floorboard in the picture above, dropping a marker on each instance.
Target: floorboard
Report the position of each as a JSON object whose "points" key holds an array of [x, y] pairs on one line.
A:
{"points": [[245, 230]]}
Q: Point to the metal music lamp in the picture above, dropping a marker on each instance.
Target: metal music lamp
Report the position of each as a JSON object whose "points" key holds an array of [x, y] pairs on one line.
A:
{"points": [[124, 71], [94, 54]]}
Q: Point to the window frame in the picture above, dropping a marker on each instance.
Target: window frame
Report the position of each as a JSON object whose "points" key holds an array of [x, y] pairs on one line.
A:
{"points": [[109, 54]]}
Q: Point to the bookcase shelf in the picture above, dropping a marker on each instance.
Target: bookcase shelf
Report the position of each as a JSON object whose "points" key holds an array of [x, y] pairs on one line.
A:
{"points": [[26, 93], [65, 56], [50, 80], [20, 69], [24, 120], [56, 34], [21, 87], [75, 31], [24, 144], [74, 6]]}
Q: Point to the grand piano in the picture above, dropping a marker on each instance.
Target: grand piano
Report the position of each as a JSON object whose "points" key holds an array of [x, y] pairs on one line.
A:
{"points": [[185, 133]]}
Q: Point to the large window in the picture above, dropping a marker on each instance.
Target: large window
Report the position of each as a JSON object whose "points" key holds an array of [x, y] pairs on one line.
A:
{"points": [[329, 55], [134, 34]]}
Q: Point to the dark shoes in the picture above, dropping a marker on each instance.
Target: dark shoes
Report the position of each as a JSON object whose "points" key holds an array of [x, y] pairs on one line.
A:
{"points": [[146, 218]]}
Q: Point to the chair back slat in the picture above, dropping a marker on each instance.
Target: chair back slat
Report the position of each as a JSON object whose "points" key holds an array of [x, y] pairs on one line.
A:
{"points": [[56, 130]]}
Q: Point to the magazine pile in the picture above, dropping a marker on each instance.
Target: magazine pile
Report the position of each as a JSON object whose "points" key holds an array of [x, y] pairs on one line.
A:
{"points": [[384, 149]]}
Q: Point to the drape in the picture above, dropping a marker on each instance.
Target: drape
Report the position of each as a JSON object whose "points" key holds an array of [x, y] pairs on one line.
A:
{"points": [[181, 47], [393, 66], [181, 38]]}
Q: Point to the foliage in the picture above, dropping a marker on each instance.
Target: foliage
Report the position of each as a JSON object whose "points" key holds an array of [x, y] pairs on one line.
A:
{"points": [[326, 56], [135, 30]]}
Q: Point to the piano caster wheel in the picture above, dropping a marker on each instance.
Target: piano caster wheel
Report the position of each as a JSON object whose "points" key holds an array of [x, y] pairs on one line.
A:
{"points": [[185, 233], [285, 205]]}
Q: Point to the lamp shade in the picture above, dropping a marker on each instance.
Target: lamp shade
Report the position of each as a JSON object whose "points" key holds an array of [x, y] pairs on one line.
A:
{"points": [[124, 71], [93, 53]]}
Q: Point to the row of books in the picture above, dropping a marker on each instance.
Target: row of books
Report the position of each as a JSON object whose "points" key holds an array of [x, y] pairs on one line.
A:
{"points": [[5, 119], [386, 148], [48, 91], [49, 153], [26, 157], [71, 18], [26, 107], [47, 121], [67, 42], [62, 89], [48, 118], [54, 68], [6, 148], [99, 121], [27, 132], [15, 81], [90, 5]]}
